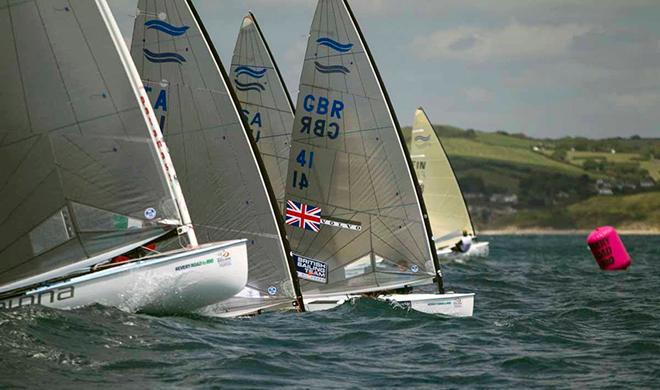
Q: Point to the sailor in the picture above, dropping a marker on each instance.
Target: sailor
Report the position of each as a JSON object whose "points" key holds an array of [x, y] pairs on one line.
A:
{"points": [[464, 244], [142, 251]]}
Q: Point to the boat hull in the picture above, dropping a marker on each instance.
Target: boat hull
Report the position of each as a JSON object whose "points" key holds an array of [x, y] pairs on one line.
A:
{"points": [[249, 311], [477, 249], [175, 282], [450, 304], [327, 303]]}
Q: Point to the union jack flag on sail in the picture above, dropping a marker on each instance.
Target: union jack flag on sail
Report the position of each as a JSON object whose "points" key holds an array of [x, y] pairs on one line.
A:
{"points": [[302, 215]]}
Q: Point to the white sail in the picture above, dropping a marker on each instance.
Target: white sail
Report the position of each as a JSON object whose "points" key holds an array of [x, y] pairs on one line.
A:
{"points": [[265, 101], [220, 170], [444, 200], [356, 220], [82, 177]]}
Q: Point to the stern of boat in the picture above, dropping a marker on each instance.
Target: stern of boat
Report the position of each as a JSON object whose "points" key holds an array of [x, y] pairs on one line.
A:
{"points": [[450, 304]]}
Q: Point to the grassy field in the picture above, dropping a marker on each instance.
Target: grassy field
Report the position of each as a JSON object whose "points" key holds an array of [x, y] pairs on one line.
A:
{"points": [[548, 177], [653, 166], [493, 147], [638, 211]]}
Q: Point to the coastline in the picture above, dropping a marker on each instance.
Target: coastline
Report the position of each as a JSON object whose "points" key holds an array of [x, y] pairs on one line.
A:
{"points": [[512, 231]]}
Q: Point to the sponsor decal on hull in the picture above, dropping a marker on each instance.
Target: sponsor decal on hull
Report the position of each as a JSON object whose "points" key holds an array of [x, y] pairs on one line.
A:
{"points": [[193, 264], [223, 259], [39, 298]]}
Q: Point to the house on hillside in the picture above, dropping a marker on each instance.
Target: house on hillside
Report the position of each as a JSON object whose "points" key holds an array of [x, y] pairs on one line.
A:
{"points": [[473, 195], [604, 187], [504, 198], [627, 186], [647, 183]]}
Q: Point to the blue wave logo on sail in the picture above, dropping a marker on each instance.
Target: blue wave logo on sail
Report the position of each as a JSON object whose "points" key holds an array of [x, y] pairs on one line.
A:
{"points": [[256, 73], [422, 138], [163, 57], [331, 68], [249, 86], [331, 43], [165, 27]]}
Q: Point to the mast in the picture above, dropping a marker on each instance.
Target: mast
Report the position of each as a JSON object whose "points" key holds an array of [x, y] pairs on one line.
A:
{"points": [[157, 138], [255, 153], [291, 264], [411, 171]]}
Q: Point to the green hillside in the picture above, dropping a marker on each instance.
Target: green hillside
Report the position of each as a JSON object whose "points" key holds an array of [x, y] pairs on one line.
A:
{"points": [[511, 180], [485, 148]]}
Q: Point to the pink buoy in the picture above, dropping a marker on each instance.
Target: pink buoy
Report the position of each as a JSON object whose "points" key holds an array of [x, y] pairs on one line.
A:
{"points": [[608, 249]]}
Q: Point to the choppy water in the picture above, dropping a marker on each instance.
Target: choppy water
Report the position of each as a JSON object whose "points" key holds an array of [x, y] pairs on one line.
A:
{"points": [[545, 316]]}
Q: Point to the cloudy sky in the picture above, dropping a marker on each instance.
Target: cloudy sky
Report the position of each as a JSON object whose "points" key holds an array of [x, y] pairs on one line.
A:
{"points": [[545, 68]]}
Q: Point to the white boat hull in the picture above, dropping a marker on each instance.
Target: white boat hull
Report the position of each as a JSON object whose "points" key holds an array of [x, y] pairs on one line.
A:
{"points": [[175, 282], [327, 303], [477, 249], [450, 304], [248, 312]]}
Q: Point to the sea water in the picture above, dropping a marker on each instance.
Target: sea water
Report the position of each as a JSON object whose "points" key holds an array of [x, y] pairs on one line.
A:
{"points": [[545, 316]]}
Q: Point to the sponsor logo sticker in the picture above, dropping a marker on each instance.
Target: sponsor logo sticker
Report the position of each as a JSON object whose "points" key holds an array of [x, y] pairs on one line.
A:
{"points": [[310, 269], [194, 264], [224, 259], [150, 213]]}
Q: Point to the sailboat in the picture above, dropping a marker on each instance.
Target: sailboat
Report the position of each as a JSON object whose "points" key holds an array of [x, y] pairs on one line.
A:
{"points": [[86, 175], [448, 212], [356, 221], [265, 101], [220, 168]]}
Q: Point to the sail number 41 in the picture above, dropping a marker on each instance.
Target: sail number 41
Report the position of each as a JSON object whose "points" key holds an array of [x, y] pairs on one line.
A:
{"points": [[300, 180]]}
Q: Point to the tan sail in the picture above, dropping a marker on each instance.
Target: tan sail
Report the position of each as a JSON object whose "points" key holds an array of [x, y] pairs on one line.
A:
{"points": [[444, 200]]}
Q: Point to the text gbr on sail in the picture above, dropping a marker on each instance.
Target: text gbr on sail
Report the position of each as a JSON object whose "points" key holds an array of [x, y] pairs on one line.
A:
{"points": [[322, 106]]}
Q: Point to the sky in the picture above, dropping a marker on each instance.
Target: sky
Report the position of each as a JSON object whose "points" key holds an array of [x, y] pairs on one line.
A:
{"points": [[544, 68]]}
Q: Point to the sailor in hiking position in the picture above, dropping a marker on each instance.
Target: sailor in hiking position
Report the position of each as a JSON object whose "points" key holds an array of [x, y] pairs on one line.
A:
{"points": [[464, 244]]}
